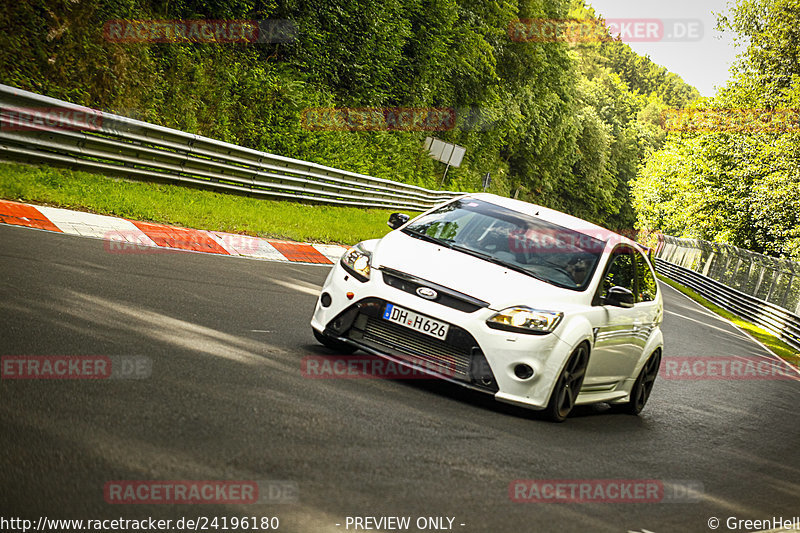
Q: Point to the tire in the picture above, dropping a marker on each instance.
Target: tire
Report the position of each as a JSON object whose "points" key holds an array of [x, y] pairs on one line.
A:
{"points": [[333, 344], [643, 386], [568, 385]]}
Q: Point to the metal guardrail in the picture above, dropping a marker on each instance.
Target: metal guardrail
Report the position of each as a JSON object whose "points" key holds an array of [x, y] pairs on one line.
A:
{"points": [[778, 320], [122, 147]]}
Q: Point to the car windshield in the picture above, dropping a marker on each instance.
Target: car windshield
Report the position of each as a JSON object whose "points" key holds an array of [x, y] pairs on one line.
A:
{"points": [[527, 244]]}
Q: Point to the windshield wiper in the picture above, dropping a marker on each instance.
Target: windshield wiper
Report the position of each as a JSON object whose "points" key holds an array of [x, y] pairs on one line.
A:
{"points": [[557, 268], [426, 237]]}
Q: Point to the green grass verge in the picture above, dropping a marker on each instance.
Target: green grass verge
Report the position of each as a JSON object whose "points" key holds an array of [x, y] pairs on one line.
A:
{"points": [[189, 207], [769, 340]]}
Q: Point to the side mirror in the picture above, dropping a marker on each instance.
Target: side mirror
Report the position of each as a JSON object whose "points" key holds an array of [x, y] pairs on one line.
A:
{"points": [[620, 297], [397, 219]]}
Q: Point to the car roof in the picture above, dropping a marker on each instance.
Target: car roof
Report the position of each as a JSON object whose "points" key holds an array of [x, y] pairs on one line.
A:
{"points": [[555, 217]]}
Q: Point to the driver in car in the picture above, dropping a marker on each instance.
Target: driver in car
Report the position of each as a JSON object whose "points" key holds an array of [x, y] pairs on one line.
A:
{"points": [[578, 268]]}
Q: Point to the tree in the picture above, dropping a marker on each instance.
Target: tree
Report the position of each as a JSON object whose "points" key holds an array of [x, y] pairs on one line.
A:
{"points": [[738, 182]]}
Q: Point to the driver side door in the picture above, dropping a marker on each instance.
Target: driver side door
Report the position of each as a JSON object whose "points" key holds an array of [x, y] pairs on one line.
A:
{"points": [[616, 349]]}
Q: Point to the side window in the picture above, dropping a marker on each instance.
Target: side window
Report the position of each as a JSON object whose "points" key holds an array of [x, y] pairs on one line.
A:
{"points": [[647, 281], [621, 272]]}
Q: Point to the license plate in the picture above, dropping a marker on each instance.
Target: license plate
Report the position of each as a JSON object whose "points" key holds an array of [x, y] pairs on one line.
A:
{"points": [[411, 320]]}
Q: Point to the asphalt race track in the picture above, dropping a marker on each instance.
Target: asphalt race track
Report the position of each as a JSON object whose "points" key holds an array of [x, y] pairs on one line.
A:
{"points": [[226, 400]]}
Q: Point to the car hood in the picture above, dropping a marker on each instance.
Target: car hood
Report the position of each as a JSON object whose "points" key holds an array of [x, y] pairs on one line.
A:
{"points": [[501, 287]]}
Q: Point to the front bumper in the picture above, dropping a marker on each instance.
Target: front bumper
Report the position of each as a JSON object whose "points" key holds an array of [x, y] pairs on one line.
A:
{"points": [[473, 355]]}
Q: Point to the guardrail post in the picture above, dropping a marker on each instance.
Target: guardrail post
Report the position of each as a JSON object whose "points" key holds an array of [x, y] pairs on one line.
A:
{"points": [[787, 291], [775, 281], [746, 279], [760, 279], [735, 271]]}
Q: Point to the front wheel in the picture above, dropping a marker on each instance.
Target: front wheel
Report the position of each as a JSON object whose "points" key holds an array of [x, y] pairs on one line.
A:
{"points": [[568, 386], [643, 386], [333, 344]]}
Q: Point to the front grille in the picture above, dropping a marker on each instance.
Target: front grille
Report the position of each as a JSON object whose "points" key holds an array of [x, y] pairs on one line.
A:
{"points": [[458, 357], [434, 354]]}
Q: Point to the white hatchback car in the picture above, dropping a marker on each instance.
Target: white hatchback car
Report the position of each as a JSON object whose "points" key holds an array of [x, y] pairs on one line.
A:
{"points": [[539, 308]]}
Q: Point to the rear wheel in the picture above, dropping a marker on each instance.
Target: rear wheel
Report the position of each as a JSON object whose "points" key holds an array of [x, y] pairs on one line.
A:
{"points": [[643, 386], [333, 344], [568, 386]]}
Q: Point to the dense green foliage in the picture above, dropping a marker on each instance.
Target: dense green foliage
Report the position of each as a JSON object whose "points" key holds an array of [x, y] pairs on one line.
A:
{"points": [[557, 123], [738, 182]]}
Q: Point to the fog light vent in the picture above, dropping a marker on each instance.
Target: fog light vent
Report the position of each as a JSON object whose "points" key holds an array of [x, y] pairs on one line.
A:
{"points": [[523, 371], [325, 299]]}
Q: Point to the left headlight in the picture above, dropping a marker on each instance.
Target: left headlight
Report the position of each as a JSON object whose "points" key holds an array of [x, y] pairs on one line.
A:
{"points": [[525, 320], [357, 261]]}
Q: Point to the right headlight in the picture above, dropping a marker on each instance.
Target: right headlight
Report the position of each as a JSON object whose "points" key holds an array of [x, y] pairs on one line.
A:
{"points": [[357, 261], [525, 320]]}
